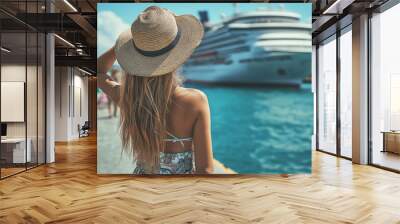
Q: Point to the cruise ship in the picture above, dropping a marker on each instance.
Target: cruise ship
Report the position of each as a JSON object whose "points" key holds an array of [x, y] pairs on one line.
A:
{"points": [[260, 47]]}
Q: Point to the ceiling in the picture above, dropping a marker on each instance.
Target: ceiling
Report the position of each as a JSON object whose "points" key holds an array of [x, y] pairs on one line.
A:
{"points": [[72, 20], [75, 21], [330, 15]]}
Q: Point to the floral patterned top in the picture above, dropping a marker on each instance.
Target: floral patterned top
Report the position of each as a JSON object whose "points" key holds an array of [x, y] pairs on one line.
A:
{"points": [[172, 163]]}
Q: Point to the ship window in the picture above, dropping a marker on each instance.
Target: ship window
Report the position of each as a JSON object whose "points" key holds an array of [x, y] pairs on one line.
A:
{"points": [[217, 34], [233, 43], [237, 50], [220, 39], [265, 59], [263, 19], [294, 38], [221, 59]]}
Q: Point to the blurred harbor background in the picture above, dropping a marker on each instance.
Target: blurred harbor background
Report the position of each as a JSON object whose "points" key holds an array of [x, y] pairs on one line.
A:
{"points": [[258, 130], [254, 130]]}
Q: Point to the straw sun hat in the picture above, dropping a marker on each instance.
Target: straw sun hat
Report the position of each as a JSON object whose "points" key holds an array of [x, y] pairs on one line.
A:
{"points": [[158, 42]]}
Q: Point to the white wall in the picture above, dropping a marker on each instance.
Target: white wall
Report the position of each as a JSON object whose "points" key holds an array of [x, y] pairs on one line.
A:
{"points": [[33, 126], [12, 100], [61, 103], [80, 94], [70, 84], [17, 73], [12, 73]]}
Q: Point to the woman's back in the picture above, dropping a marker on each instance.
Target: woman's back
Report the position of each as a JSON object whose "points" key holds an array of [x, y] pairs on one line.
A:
{"points": [[185, 113], [185, 106]]}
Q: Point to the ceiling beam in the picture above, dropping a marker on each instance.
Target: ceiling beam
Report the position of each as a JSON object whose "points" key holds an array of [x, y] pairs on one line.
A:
{"points": [[86, 27], [79, 61], [337, 7]]}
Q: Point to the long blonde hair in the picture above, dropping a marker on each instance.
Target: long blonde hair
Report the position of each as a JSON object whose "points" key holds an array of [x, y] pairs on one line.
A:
{"points": [[143, 122]]}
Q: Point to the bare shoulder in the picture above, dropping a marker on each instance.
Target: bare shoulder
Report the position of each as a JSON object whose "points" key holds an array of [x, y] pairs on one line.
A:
{"points": [[194, 98], [193, 94]]}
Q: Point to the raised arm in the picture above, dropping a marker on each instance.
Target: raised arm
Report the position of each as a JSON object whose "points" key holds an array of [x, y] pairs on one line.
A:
{"points": [[202, 138], [105, 82]]}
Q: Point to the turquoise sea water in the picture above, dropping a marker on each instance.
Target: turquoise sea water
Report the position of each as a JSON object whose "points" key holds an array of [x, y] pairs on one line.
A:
{"points": [[261, 130], [254, 131]]}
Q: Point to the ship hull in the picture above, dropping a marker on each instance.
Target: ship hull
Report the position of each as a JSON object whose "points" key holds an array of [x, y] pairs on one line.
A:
{"points": [[278, 69]]}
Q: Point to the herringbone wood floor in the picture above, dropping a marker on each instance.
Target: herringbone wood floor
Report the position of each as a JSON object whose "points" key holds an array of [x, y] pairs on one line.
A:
{"points": [[70, 191]]}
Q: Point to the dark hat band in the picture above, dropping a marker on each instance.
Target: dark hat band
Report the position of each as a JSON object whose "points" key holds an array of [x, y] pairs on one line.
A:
{"points": [[162, 50]]}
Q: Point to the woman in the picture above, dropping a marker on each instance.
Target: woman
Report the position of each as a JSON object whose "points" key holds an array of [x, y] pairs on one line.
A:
{"points": [[110, 103], [165, 127]]}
